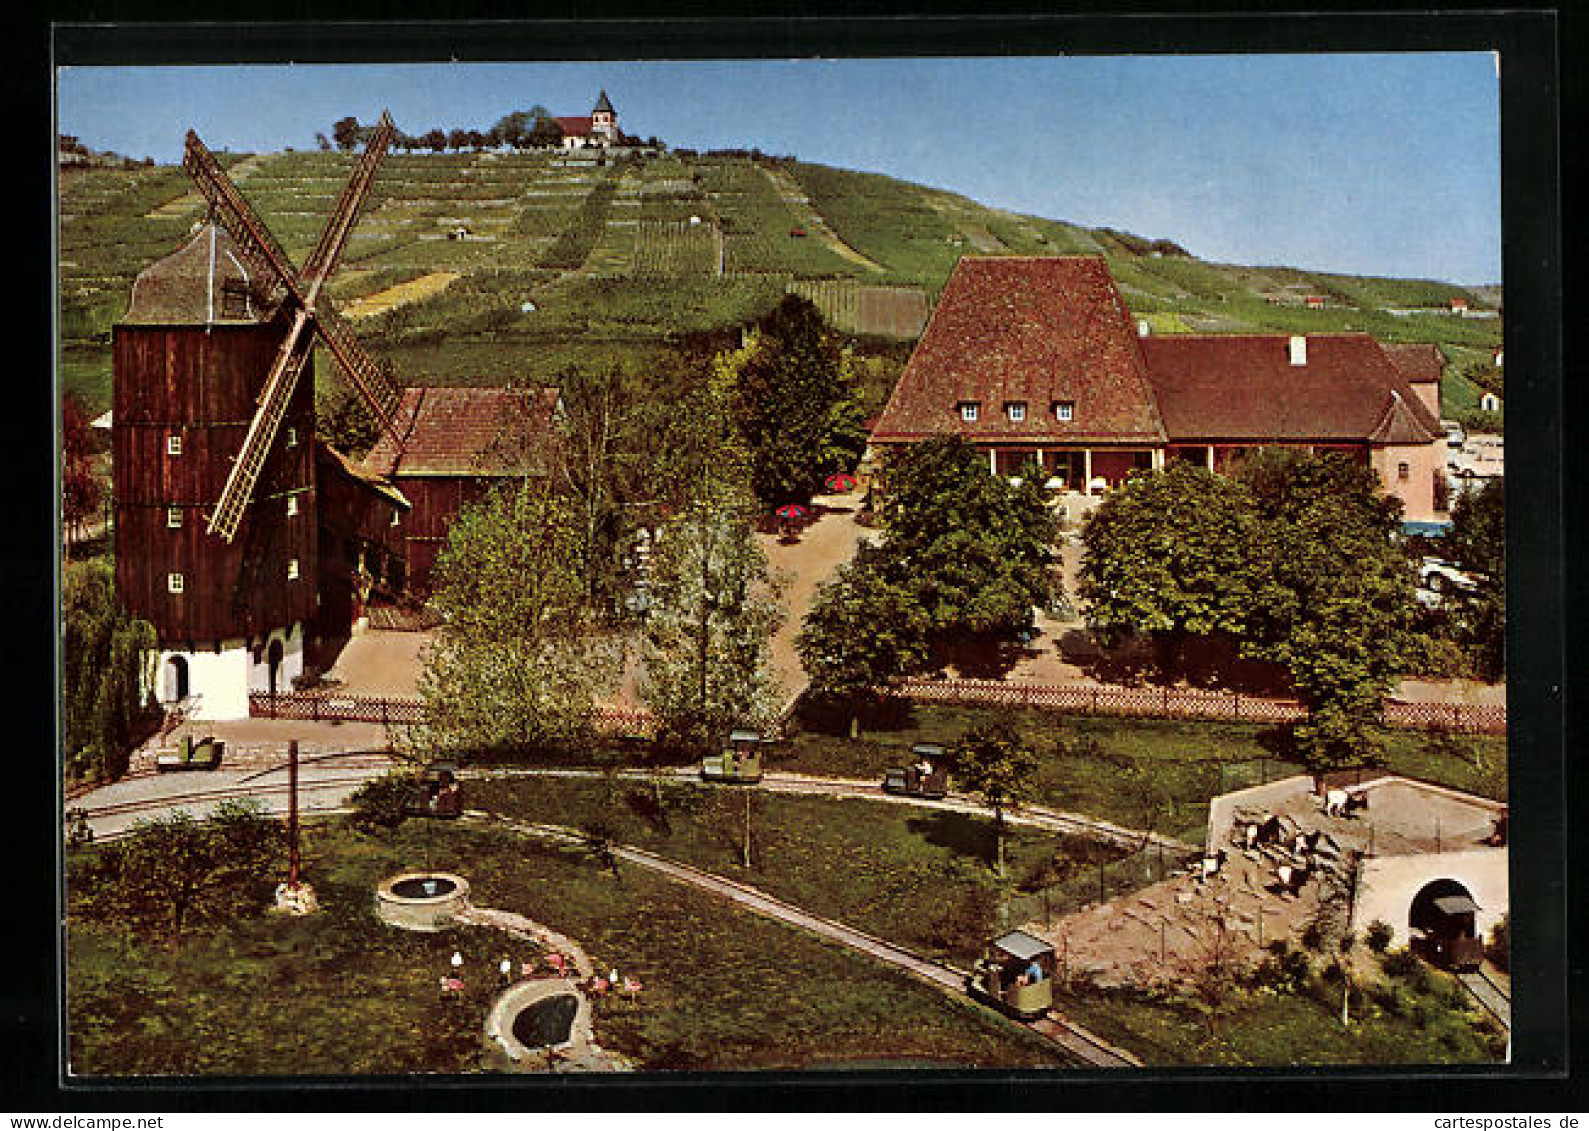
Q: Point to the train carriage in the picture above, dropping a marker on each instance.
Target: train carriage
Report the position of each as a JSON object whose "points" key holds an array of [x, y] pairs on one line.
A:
{"points": [[739, 761], [1016, 975]]}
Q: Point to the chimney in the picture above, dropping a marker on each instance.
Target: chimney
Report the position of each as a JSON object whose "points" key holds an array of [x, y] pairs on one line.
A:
{"points": [[1299, 349], [1143, 328]]}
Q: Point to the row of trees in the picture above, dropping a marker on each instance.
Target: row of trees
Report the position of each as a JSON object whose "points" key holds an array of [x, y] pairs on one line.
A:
{"points": [[534, 128]]}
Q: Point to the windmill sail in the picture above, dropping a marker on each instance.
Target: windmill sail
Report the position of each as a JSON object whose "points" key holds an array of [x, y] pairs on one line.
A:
{"points": [[313, 315]]}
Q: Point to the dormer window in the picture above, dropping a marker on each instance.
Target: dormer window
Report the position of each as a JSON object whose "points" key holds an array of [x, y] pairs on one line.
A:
{"points": [[969, 411], [1064, 410], [1015, 410], [174, 445], [234, 299]]}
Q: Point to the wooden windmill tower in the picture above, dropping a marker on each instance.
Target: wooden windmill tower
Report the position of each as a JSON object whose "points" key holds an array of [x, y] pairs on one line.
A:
{"points": [[216, 485]]}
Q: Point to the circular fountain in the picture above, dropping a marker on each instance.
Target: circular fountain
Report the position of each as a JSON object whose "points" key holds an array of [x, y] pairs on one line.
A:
{"points": [[422, 901]]}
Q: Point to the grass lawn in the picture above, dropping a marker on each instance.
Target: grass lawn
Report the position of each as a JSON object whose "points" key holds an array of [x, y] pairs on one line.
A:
{"points": [[340, 992], [1140, 772], [1394, 1022], [920, 878]]}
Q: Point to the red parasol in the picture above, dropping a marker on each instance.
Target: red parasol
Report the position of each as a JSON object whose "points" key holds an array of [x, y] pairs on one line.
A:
{"points": [[841, 482], [791, 511]]}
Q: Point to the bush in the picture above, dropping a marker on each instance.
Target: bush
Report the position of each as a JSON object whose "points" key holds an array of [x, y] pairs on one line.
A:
{"points": [[1407, 966], [1378, 936], [1284, 970], [1499, 949], [382, 803]]}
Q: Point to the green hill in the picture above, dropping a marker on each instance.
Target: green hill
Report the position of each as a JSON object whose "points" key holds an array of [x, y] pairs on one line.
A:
{"points": [[485, 267]]}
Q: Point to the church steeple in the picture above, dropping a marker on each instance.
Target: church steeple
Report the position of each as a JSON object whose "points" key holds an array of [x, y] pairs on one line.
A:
{"points": [[602, 105], [604, 120]]}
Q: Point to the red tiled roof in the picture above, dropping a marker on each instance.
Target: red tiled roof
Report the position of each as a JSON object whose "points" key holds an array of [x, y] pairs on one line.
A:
{"points": [[1037, 330], [466, 432], [574, 127], [1419, 362], [1244, 387]]}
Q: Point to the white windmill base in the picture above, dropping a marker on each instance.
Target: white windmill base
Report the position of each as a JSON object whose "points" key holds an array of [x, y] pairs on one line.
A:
{"points": [[218, 683]]}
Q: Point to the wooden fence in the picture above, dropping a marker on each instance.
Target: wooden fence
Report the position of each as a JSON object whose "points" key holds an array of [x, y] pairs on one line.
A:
{"points": [[612, 721], [1178, 703]]}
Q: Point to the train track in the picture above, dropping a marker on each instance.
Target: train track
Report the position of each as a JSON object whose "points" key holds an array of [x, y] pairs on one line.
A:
{"points": [[1495, 1001], [1034, 816], [1077, 1043], [154, 805]]}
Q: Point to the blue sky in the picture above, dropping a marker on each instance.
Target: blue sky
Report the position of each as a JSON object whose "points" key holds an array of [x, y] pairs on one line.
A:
{"points": [[1368, 164]]}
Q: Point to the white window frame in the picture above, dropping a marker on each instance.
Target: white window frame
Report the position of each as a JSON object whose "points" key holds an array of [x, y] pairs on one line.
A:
{"points": [[396, 516], [969, 411], [292, 437], [174, 518], [292, 569], [292, 505], [1064, 411], [175, 583], [1016, 411], [174, 444]]}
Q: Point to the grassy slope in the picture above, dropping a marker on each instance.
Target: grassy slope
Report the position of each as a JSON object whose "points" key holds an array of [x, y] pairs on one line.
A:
{"points": [[634, 285]]}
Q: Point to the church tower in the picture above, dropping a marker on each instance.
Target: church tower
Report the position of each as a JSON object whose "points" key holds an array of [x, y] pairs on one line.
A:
{"points": [[604, 121]]}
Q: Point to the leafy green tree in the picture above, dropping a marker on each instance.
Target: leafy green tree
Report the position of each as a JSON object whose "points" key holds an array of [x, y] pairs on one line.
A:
{"points": [[517, 662], [976, 552], [714, 608], [795, 403], [345, 132], [864, 633], [1167, 554], [1332, 597], [82, 493], [998, 766], [1478, 544], [107, 659], [175, 869], [343, 420]]}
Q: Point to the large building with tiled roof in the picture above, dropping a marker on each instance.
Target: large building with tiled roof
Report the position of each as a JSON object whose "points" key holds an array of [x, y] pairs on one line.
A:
{"points": [[1038, 360], [456, 443]]}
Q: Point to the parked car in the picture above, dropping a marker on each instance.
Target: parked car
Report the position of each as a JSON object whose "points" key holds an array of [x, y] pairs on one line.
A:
{"points": [[1443, 578]]}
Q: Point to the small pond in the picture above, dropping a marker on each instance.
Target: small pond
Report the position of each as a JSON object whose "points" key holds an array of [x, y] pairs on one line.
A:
{"points": [[548, 1021]]}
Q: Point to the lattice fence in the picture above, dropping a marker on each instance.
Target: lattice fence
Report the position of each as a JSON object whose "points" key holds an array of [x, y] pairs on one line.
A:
{"points": [[612, 721], [1176, 703]]}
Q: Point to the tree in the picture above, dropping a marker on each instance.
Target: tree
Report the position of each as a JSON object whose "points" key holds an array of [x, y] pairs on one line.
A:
{"points": [[1167, 554], [175, 869], [323, 142], [343, 420], [1332, 597], [1478, 544], [544, 134], [82, 494], [864, 633], [106, 667], [517, 662], [457, 138], [976, 552], [997, 765], [714, 612], [435, 140], [345, 132], [794, 401]]}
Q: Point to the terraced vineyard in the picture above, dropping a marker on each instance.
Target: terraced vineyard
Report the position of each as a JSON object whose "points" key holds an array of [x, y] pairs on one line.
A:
{"points": [[492, 266]]}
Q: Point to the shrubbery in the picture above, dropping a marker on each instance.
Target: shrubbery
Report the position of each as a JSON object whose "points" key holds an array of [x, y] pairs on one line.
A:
{"points": [[381, 804]]}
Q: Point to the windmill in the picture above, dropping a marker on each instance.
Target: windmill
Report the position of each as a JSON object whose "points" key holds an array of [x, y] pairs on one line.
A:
{"points": [[301, 295]]}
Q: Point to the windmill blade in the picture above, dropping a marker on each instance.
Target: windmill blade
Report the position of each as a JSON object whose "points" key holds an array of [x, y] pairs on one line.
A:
{"points": [[373, 380], [262, 429], [327, 251], [235, 214]]}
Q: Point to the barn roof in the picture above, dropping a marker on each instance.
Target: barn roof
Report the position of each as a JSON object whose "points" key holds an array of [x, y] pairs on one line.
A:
{"points": [[361, 474], [1244, 387], [471, 432], [190, 286], [574, 127], [1419, 362], [1037, 330]]}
